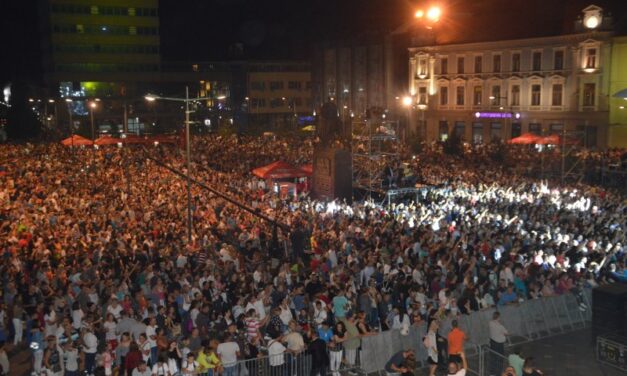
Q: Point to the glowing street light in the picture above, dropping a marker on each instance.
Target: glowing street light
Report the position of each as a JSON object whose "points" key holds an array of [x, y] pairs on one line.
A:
{"points": [[420, 13], [434, 13], [407, 101]]}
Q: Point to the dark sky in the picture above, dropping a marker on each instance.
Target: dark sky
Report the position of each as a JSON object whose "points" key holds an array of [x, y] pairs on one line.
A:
{"points": [[280, 29]]}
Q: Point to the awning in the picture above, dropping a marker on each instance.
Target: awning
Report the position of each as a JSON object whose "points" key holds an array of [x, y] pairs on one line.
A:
{"points": [[525, 139], [279, 170], [77, 140]]}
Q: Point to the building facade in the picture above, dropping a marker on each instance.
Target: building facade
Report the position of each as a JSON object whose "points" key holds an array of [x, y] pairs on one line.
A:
{"points": [[278, 93], [501, 89], [618, 94]]}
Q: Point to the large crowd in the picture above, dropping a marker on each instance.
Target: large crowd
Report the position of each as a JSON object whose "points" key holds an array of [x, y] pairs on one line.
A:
{"points": [[98, 275]]}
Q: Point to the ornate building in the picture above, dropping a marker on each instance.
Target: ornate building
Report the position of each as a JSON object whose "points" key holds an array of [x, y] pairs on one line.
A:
{"points": [[500, 89]]}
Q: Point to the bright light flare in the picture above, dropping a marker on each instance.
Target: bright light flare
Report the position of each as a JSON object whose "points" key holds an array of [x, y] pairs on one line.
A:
{"points": [[150, 98], [407, 101], [434, 13], [420, 13]]}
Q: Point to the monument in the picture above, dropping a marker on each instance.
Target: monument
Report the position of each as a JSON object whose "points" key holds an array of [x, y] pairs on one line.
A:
{"points": [[332, 164]]}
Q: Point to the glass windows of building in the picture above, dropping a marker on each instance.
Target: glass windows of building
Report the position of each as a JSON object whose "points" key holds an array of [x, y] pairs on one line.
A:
{"points": [[460, 94], [478, 64], [443, 130], [103, 10], [496, 94], [477, 133], [536, 93], [444, 96], [515, 95], [496, 63], [535, 128], [516, 62], [294, 85], [444, 66], [516, 130], [460, 65], [460, 129], [558, 60], [556, 94], [495, 131], [258, 85], [422, 95], [276, 85], [477, 93], [589, 94], [591, 58], [556, 128], [536, 61]]}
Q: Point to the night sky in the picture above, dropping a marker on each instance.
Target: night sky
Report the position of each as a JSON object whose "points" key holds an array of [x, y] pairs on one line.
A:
{"points": [[284, 29]]}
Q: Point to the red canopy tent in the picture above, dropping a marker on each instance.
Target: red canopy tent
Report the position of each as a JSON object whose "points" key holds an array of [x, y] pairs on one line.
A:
{"points": [[525, 139], [77, 140], [279, 170], [307, 168], [107, 140]]}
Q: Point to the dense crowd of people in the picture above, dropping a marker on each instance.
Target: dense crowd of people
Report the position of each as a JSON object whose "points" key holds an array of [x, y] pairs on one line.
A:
{"points": [[98, 275]]}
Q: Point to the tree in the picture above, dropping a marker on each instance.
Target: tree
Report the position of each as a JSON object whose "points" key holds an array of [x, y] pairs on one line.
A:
{"points": [[22, 122]]}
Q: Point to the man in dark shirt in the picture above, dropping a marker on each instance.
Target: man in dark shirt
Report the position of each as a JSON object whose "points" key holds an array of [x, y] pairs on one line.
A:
{"points": [[319, 356], [398, 363]]}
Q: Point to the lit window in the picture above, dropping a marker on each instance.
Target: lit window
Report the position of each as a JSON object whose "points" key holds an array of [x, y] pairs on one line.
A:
{"points": [[591, 58], [535, 95], [477, 94], [131, 11], [94, 10]]}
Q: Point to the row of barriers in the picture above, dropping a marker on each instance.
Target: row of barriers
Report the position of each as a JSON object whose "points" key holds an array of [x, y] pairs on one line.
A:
{"points": [[528, 321]]}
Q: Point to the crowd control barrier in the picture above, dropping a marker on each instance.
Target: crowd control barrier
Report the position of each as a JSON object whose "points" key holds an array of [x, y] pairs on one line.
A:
{"points": [[528, 321]]}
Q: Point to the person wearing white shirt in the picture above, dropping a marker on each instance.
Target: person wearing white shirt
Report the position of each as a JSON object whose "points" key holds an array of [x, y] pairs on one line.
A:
{"points": [[228, 352], [151, 335], [161, 368], [90, 347], [142, 370], [276, 355], [498, 337]]}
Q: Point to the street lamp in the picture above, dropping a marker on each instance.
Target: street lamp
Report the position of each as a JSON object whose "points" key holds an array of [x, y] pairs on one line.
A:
{"points": [[187, 100], [92, 106]]}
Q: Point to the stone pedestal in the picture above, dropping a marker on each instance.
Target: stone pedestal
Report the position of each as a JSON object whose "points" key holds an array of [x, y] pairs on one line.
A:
{"points": [[332, 174]]}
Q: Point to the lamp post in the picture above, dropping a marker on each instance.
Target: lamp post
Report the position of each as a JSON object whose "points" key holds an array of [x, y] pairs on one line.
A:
{"points": [[187, 100], [92, 107]]}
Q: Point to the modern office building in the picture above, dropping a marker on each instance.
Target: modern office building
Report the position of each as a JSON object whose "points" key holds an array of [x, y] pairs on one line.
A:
{"points": [[618, 94], [278, 93]]}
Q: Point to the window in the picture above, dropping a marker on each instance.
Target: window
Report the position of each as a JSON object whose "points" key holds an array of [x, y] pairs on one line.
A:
{"points": [[276, 85], [588, 94], [422, 95], [535, 128], [258, 85], [535, 95], [496, 93], [444, 66], [443, 128], [537, 61], [495, 131], [496, 63], [80, 29], [558, 60], [516, 62], [515, 101], [478, 63], [556, 97], [476, 96], [294, 85], [422, 67], [443, 96], [460, 95], [460, 65], [477, 133], [556, 128], [460, 129], [276, 102], [516, 130], [94, 10], [591, 58]]}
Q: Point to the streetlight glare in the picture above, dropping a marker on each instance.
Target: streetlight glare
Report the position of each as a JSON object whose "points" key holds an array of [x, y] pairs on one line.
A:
{"points": [[220, 97], [150, 98], [420, 13], [92, 105], [434, 13], [406, 101], [492, 97]]}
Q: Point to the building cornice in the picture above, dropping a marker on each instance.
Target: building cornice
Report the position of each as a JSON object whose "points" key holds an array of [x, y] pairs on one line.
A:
{"points": [[513, 44]]}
